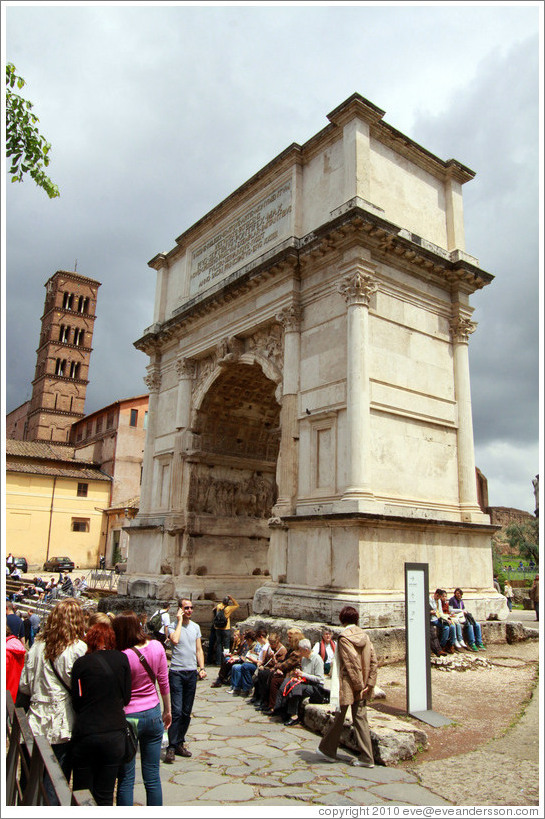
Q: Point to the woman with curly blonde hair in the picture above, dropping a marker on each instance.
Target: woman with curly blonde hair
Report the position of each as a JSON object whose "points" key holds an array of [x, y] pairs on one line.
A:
{"points": [[46, 678]]}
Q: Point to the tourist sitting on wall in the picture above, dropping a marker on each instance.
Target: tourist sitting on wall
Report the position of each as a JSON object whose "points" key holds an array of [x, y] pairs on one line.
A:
{"points": [[67, 587], [435, 645], [242, 673], [291, 661], [274, 655], [445, 630], [239, 646], [456, 619], [302, 682], [51, 590], [15, 573], [473, 629], [326, 649]]}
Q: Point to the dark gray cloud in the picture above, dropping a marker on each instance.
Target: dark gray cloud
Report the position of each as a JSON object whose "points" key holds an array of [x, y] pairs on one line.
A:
{"points": [[493, 127], [156, 113]]}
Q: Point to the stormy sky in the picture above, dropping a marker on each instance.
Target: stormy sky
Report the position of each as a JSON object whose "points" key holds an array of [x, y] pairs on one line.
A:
{"points": [[158, 112]]}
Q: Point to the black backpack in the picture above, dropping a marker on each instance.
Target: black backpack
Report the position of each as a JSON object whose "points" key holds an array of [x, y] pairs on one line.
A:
{"points": [[220, 620], [156, 621]]}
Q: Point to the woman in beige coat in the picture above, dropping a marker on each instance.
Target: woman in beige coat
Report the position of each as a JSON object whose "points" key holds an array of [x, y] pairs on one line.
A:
{"points": [[353, 679]]}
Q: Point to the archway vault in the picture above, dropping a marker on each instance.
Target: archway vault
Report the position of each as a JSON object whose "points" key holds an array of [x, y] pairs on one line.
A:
{"points": [[232, 485]]}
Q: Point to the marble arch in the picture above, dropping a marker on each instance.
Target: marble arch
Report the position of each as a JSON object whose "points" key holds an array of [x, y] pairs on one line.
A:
{"points": [[337, 280]]}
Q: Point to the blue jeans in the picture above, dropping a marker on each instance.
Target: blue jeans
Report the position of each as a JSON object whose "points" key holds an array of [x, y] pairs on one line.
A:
{"points": [[458, 632], [474, 634], [247, 671], [63, 752], [445, 631], [183, 685], [150, 736], [241, 675]]}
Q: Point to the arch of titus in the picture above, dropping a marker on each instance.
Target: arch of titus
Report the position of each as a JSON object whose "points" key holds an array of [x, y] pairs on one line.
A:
{"points": [[309, 426]]}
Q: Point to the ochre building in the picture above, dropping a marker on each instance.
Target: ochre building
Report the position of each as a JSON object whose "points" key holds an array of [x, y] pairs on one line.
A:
{"points": [[53, 504]]}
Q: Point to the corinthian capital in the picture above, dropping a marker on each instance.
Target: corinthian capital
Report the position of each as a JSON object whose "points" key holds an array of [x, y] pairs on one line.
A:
{"points": [[186, 367], [461, 328], [153, 380], [357, 288], [290, 318]]}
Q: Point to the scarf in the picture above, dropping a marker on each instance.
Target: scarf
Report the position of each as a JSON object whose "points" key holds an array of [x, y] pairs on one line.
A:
{"points": [[322, 649]]}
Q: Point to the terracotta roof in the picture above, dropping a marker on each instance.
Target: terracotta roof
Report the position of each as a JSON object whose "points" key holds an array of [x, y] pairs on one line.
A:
{"points": [[132, 503], [35, 458], [59, 469], [37, 449]]}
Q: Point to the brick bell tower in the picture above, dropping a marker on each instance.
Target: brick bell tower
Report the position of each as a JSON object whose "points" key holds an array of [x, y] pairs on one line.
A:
{"points": [[63, 356]]}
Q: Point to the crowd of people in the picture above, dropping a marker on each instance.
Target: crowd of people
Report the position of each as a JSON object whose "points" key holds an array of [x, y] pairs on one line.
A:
{"points": [[81, 680], [84, 678], [276, 679]]}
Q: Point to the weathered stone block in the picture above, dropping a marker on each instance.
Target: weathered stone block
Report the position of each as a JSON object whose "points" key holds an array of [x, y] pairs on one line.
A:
{"points": [[393, 740]]}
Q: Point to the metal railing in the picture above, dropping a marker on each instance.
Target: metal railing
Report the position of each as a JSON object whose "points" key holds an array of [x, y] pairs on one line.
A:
{"points": [[29, 760], [102, 579]]}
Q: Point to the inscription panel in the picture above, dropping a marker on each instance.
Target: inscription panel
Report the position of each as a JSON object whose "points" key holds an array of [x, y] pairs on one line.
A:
{"points": [[256, 230]]}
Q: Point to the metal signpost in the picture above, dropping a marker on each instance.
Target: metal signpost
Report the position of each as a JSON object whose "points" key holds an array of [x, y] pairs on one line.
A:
{"points": [[417, 636]]}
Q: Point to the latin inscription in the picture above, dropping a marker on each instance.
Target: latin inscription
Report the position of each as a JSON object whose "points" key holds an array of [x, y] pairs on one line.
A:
{"points": [[255, 231]]}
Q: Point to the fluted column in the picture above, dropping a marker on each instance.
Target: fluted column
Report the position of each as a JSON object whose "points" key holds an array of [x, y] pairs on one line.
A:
{"points": [[153, 383], [185, 368], [357, 288], [287, 467], [460, 329]]}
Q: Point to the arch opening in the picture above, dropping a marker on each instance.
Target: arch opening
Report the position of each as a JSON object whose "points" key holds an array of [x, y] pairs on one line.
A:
{"points": [[232, 486]]}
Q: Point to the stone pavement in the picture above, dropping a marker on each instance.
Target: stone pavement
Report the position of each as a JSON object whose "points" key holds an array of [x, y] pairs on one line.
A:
{"points": [[241, 757]]}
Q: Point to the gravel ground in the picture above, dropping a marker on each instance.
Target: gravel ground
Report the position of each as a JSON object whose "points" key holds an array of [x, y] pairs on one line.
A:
{"points": [[489, 755]]}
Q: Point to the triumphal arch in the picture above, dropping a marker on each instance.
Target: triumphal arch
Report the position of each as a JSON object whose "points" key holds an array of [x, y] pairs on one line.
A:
{"points": [[309, 426]]}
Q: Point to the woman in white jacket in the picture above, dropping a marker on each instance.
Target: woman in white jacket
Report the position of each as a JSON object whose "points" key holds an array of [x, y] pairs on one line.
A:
{"points": [[46, 678]]}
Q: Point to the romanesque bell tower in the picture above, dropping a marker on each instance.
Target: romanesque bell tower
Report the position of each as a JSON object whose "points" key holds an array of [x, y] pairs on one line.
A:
{"points": [[63, 355]]}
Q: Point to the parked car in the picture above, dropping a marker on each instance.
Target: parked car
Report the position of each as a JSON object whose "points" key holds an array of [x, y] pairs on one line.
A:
{"points": [[59, 564], [21, 563]]}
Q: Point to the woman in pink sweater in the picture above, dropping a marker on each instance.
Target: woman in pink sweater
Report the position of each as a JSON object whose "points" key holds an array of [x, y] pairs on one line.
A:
{"points": [[148, 663]]}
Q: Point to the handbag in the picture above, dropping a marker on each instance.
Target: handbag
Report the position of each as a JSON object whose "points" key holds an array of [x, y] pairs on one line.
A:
{"points": [[131, 739], [320, 695]]}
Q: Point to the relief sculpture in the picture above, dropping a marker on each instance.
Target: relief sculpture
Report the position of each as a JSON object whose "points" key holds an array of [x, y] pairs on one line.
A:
{"points": [[252, 497]]}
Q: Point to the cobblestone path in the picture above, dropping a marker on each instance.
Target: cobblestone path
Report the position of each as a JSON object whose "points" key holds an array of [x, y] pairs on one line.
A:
{"points": [[241, 757]]}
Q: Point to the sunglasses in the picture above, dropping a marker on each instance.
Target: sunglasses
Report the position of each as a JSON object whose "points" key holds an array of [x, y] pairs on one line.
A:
{"points": [[188, 607]]}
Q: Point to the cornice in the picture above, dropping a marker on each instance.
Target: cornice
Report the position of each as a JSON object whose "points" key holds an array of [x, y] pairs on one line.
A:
{"points": [[72, 313], [65, 378], [50, 411], [63, 344], [71, 274], [239, 282], [352, 223]]}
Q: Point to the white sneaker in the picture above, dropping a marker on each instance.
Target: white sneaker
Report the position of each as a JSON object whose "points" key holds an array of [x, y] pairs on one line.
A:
{"points": [[325, 756], [357, 763], [457, 644]]}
